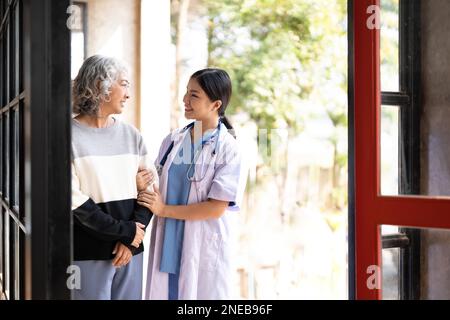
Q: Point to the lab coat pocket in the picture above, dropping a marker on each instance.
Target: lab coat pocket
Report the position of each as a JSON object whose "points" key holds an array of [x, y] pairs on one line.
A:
{"points": [[212, 245]]}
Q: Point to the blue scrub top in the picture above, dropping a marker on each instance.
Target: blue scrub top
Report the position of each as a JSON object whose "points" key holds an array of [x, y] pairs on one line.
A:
{"points": [[178, 188]]}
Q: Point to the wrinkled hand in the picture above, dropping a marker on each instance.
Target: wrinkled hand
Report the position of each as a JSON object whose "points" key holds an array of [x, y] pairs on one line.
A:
{"points": [[143, 179], [152, 201], [123, 255], [139, 236]]}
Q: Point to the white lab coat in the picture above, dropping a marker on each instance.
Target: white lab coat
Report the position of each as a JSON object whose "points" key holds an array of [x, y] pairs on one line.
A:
{"points": [[206, 269]]}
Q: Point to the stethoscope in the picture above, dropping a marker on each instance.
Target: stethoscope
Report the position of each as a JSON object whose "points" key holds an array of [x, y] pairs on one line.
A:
{"points": [[197, 154]]}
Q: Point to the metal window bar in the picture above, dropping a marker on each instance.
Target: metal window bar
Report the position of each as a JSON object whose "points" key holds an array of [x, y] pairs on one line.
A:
{"points": [[351, 158], [409, 101], [12, 227]]}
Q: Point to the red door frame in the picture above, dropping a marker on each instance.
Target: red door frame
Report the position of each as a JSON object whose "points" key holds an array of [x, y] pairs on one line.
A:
{"points": [[371, 209]]}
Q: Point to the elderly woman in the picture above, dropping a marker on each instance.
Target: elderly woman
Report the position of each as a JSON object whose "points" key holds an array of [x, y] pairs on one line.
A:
{"points": [[106, 156]]}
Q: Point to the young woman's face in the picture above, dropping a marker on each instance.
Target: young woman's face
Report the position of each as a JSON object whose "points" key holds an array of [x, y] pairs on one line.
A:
{"points": [[197, 105], [118, 96]]}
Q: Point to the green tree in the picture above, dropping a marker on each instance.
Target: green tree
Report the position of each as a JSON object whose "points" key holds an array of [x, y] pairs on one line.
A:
{"points": [[288, 62], [282, 56], [266, 45]]}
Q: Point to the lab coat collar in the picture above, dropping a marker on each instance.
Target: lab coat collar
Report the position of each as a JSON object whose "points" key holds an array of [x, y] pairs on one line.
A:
{"points": [[180, 134]]}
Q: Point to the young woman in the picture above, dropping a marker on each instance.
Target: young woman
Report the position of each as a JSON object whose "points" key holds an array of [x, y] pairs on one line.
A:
{"points": [[199, 170]]}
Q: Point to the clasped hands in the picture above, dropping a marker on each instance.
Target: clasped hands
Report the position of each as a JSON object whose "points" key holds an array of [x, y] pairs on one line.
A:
{"points": [[122, 253], [150, 200]]}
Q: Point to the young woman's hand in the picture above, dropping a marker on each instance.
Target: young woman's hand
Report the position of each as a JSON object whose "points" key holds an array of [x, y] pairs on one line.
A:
{"points": [[143, 179], [152, 201]]}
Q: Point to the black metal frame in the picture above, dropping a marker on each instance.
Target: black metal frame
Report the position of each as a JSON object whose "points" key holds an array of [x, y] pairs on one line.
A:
{"points": [[351, 157], [12, 97], [38, 230], [410, 75], [409, 102], [84, 8]]}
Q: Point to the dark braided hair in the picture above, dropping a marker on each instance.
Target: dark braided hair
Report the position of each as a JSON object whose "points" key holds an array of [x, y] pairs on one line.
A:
{"points": [[217, 85]]}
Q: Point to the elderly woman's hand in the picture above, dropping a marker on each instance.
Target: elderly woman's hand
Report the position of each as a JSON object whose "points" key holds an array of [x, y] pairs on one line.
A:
{"points": [[123, 255], [143, 179], [152, 201]]}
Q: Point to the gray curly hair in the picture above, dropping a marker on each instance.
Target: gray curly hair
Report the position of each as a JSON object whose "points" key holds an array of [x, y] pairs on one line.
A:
{"points": [[93, 82]]}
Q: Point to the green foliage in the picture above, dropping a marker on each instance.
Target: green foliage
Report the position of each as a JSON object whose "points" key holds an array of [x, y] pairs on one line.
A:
{"points": [[389, 45], [266, 46], [282, 55], [288, 63]]}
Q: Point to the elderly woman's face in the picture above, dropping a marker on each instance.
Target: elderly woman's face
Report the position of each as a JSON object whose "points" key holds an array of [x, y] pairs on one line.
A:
{"points": [[118, 96]]}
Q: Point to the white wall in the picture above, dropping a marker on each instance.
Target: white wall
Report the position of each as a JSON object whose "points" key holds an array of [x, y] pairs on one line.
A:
{"points": [[156, 71], [113, 30]]}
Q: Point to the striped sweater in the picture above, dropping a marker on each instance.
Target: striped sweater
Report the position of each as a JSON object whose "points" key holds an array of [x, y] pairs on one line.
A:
{"points": [[105, 162]]}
